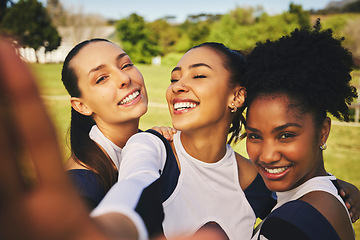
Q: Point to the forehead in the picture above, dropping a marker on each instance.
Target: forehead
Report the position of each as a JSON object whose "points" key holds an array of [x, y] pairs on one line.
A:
{"points": [[95, 54], [201, 55], [277, 105], [276, 109]]}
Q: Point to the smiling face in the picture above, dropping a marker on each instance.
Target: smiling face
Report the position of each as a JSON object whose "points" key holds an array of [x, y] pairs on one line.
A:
{"points": [[199, 95], [282, 144], [112, 88]]}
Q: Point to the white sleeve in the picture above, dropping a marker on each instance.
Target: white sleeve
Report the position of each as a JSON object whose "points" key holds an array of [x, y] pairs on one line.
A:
{"points": [[142, 157]]}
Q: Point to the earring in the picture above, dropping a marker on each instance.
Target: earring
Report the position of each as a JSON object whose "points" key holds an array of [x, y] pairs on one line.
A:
{"points": [[323, 147], [233, 110]]}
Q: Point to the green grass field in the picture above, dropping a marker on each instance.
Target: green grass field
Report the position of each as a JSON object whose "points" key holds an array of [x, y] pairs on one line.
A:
{"points": [[342, 158]]}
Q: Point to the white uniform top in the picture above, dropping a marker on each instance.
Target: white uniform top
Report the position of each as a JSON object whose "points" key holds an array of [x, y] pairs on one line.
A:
{"points": [[208, 192], [110, 148], [204, 192], [321, 183]]}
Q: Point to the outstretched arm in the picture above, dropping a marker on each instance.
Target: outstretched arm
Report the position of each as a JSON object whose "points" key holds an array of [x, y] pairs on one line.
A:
{"points": [[37, 200]]}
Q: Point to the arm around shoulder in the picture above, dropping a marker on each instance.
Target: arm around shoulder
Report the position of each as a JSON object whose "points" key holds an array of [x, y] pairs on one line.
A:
{"points": [[142, 158], [247, 172], [143, 154]]}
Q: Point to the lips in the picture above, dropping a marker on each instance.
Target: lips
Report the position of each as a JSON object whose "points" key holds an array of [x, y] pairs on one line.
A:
{"points": [[184, 105], [275, 173], [129, 98], [276, 170]]}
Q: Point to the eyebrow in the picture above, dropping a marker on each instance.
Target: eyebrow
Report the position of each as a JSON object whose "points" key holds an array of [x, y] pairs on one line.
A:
{"points": [[277, 129], [176, 69], [120, 56], [101, 66], [192, 66], [96, 68]]}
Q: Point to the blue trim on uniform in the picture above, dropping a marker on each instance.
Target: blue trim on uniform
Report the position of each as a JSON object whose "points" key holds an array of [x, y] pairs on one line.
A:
{"points": [[260, 197], [171, 171], [88, 184], [297, 220], [149, 206]]}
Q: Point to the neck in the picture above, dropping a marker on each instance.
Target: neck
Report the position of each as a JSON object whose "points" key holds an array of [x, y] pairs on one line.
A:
{"points": [[320, 170], [317, 171], [204, 145], [119, 133]]}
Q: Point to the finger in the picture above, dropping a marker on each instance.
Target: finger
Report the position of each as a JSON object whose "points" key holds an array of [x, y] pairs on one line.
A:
{"points": [[354, 213], [11, 183], [169, 134], [355, 217], [342, 193], [35, 127], [165, 131], [349, 203]]}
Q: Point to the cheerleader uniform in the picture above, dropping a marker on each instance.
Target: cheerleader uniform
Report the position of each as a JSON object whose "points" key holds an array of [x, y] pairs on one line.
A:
{"points": [[87, 182], [198, 195], [295, 219]]}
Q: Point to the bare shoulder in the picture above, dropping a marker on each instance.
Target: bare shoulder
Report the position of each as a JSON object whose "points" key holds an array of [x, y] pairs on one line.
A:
{"points": [[72, 164], [247, 172], [330, 207]]}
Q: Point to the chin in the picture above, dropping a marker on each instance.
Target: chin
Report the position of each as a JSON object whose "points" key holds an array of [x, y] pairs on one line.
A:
{"points": [[183, 126], [277, 186], [142, 110]]}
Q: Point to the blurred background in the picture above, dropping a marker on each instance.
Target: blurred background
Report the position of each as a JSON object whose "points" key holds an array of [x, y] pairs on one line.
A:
{"points": [[155, 34]]}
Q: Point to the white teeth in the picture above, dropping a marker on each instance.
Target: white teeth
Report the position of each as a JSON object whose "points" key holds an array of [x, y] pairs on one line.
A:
{"points": [[184, 105], [276, 170], [130, 98]]}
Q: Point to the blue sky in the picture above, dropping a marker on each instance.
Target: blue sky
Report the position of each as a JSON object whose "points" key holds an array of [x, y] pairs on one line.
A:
{"points": [[154, 9]]}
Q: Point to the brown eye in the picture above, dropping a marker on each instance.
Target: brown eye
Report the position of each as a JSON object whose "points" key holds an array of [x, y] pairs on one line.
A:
{"points": [[253, 136], [287, 136], [100, 79], [127, 66]]}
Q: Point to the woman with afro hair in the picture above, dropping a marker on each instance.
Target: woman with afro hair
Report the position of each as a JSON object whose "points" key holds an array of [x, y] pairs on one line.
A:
{"points": [[292, 84]]}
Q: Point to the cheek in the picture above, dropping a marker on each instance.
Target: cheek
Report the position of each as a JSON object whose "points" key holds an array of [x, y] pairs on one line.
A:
{"points": [[138, 78], [168, 94], [103, 95], [216, 101], [299, 151], [252, 150], [106, 93]]}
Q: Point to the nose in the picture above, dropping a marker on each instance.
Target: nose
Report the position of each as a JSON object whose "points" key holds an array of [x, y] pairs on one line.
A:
{"points": [[269, 153], [122, 79], [180, 86]]}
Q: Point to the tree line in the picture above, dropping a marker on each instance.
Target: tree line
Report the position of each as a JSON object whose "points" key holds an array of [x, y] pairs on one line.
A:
{"points": [[241, 28]]}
